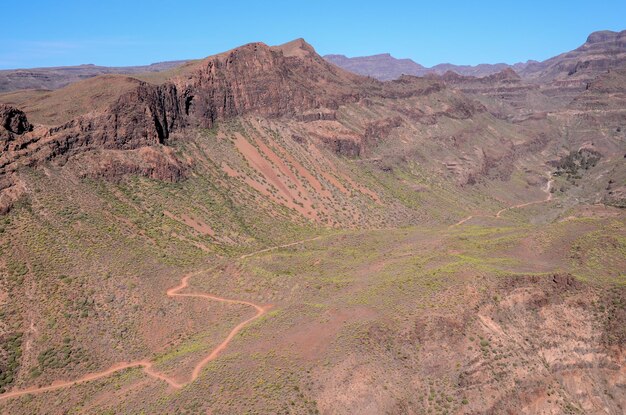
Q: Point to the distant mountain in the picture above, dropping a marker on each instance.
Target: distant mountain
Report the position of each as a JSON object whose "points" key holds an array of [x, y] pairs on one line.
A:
{"points": [[602, 50], [385, 67], [58, 77]]}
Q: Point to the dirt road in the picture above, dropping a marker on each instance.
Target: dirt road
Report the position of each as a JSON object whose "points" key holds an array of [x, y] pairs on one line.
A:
{"points": [[548, 198], [278, 247], [147, 366]]}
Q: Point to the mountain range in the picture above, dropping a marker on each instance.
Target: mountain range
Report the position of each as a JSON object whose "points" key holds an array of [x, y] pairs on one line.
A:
{"points": [[267, 230], [602, 50], [58, 77]]}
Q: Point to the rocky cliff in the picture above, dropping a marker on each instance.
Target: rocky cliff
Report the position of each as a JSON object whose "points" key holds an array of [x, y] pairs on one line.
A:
{"points": [[602, 51]]}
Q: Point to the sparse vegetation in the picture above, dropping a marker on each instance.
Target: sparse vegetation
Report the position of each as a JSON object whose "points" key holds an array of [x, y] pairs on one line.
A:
{"points": [[576, 163]]}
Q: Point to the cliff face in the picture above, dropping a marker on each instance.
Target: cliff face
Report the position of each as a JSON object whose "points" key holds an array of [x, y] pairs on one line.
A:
{"points": [[142, 117], [269, 81], [288, 80], [280, 81]]}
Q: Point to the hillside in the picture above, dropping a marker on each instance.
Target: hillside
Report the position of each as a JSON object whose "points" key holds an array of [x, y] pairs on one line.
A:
{"points": [[261, 231]]}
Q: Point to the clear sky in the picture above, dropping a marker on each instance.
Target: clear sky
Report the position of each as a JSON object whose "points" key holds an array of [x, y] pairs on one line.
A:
{"points": [[116, 33]]}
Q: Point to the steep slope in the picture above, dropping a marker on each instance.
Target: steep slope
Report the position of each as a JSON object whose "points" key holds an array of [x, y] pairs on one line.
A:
{"points": [[345, 113]]}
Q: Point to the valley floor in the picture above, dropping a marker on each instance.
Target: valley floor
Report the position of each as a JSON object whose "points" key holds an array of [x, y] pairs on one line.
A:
{"points": [[480, 316]]}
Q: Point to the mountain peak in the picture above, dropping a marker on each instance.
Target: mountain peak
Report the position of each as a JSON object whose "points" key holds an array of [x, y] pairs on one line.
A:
{"points": [[297, 47], [605, 36]]}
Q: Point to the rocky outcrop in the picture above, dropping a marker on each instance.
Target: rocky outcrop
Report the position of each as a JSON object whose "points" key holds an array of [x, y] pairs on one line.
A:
{"points": [[143, 117], [290, 80], [13, 120], [377, 131], [343, 146], [158, 163], [317, 116], [13, 123], [270, 81]]}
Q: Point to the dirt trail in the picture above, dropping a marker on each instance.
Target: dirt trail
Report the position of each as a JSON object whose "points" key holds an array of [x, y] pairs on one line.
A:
{"points": [[462, 221], [147, 366], [278, 247], [548, 198]]}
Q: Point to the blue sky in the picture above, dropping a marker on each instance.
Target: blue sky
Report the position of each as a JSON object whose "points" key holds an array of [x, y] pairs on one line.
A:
{"points": [[67, 32]]}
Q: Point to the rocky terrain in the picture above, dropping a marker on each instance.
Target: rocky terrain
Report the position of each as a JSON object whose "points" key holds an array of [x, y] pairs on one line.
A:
{"points": [[261, 231]]}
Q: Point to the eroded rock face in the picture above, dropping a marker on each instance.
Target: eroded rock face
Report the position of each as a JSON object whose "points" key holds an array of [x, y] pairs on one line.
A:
{"points": [[281, 81], [142, 117], [12, 122], [377, 131], [602, 51], [270, 81]]}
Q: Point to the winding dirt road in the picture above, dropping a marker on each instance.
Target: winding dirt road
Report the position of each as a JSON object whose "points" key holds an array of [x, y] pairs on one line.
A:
{"points": [[548, 198], [148, 367], [278, 247]]}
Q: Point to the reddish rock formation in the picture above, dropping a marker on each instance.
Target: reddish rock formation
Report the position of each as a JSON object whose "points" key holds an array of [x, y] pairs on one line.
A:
{"points": [[12, 122], [287, 80], [270, 81]]}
